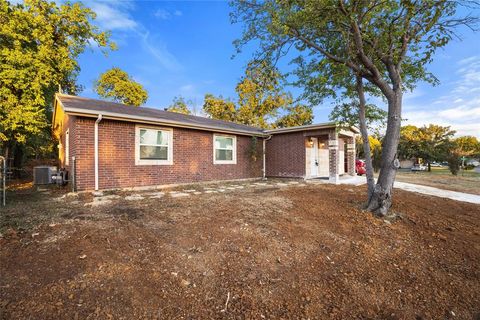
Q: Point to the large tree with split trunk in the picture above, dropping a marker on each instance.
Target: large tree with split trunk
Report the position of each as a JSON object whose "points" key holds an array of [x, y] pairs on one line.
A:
{"points": [[384, 45]]}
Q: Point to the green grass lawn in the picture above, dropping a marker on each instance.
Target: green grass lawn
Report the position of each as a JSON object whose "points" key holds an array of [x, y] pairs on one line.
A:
{"points": [[445, 171]]}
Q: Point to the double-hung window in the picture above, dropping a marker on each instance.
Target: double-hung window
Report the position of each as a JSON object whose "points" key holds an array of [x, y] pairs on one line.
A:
{"points": [[224, 149], [154, 146]]}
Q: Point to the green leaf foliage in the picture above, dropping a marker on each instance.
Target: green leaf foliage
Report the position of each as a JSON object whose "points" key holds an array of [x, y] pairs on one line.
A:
{"points": [[219, 108], [39, 45], [347, 114], [431, 143], [115, 84], [334, 40], [296, 115], [179, 105], [261, 102], [466, 146]]}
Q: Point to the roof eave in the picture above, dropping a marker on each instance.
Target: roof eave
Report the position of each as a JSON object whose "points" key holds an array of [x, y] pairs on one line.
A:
{"points": [[326, 125], [317, 126], [149, 120]]}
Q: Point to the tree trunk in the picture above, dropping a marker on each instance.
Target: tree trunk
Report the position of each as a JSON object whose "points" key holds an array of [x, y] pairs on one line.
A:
{"points": [[366, 142], [381, 200]]}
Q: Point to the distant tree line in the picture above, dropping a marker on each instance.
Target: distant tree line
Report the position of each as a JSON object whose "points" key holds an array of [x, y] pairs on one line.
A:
{"points": [[432, 143]]}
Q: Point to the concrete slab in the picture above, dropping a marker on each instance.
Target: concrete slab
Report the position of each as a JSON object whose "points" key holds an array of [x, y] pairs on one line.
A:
{"points": [[348, 180], [97, 202], [134, 197], [156, 195], [179, 195], [431, 191]]}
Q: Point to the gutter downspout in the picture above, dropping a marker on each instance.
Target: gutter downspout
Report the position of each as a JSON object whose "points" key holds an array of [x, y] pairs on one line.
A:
{"points": [[264, 157], [96, 149]]}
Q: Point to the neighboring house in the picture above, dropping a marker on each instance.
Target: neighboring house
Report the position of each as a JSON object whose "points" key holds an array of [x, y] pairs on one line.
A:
{"points": [[407, 163], [106, 145]]}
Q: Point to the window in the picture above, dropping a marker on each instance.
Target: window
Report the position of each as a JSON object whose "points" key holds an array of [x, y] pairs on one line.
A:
{"points": [[154, 146], [67, 147], [224, 149]]}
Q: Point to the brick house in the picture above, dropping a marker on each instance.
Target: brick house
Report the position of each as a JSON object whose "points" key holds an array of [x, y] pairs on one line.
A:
{"points": [[106, 145]]}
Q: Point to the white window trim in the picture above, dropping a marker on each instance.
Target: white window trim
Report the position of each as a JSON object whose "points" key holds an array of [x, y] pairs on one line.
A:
{"points": [[234, 153], [153, 162], [67, 147]]}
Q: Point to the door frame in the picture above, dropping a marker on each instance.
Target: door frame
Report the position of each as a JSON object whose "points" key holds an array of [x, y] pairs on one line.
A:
{"points": [[314, 158]]}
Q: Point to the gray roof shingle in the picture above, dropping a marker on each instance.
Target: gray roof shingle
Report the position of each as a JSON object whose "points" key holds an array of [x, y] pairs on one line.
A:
{"points": [[94, 106]]}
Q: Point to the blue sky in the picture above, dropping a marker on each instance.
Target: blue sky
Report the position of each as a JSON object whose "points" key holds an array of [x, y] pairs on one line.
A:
{"points": [[185, 48]]}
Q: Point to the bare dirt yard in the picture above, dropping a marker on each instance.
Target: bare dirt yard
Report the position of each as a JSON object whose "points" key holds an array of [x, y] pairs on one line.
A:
{"points": [[466, 181], [250, 251]]}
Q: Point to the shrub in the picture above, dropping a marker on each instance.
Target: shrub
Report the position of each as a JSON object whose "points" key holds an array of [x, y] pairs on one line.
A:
{"points": [[453, 164]]}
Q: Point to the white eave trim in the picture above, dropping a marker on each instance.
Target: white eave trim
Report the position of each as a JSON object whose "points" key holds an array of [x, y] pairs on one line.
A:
{"points": [[122, 117], [317, 126], [327, 125]]}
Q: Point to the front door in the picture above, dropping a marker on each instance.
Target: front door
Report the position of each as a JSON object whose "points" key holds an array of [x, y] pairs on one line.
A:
{"points": [[314, 158], [323, 163]]}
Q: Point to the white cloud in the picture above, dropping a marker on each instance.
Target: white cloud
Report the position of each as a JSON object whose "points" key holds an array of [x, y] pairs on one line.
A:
{"points": [[160, 52], [187, 88], [466, 121], [461, 113], [113, 15], [164, 14], [459, 108], [462, 126]]}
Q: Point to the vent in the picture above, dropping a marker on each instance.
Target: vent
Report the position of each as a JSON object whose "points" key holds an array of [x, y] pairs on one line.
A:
{"points": [[43, 174]]}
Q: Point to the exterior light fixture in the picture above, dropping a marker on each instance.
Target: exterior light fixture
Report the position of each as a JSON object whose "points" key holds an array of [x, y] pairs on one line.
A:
{"points": [[310, 142]]}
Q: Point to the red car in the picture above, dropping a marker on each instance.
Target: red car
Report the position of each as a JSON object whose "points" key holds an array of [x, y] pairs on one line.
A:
{"points": [[360, 167]]}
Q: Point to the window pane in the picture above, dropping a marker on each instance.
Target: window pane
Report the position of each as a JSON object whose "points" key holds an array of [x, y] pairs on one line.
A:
{"points": [[223, 154], [162, 138], [155, 153], [223, 143], [148, 136]]}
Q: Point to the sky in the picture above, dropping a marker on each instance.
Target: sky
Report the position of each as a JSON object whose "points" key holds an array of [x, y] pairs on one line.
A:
{"points": [[184, 48]]}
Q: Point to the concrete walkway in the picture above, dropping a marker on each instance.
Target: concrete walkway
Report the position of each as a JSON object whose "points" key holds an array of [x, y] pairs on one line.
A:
{"points": [[431, 191]]}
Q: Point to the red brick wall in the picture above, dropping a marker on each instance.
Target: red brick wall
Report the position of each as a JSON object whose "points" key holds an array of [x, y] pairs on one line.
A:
{"points": [[84, 152], [286, 155], [192, 158]]}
